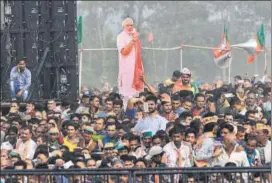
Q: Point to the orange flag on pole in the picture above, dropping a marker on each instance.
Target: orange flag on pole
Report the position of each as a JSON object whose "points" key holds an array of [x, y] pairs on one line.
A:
{"points": [[222, 52]]}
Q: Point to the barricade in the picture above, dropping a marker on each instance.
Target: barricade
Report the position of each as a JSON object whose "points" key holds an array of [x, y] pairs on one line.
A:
{"points": [[148, 175]]}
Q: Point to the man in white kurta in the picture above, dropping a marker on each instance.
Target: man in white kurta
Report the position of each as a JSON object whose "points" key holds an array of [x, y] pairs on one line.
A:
{"points": [[25, 146], [126, 52]]}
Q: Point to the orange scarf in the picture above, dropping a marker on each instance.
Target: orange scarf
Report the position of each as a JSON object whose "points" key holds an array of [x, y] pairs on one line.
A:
{"points": [[138, 85]]}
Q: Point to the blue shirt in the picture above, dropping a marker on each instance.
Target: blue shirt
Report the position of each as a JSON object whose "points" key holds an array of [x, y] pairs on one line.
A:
{"points": [[109, 139], [131, 112], [179, 110], [20, 79]]}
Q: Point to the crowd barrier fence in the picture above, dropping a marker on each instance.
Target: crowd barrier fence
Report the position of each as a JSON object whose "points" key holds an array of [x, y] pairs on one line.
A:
{"points": [[164, 175]]}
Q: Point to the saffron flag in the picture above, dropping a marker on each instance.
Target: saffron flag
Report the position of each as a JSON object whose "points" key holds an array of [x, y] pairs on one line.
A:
{"points": [[222, 53], [138, 84], [254, 45]]}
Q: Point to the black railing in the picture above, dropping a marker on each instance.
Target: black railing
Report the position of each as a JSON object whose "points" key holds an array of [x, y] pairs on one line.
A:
{"points": [[148, 175]]}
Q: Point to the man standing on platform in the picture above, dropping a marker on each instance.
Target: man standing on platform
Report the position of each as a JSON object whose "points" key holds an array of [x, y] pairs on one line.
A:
{"points": [[20, 80], [130, 62]]}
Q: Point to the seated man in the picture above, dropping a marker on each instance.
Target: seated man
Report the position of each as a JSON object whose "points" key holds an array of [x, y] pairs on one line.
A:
{"points": [[20, 80]]}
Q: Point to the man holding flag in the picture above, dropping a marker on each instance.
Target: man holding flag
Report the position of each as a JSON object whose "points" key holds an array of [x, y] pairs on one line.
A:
{"points": [[130, 61]]}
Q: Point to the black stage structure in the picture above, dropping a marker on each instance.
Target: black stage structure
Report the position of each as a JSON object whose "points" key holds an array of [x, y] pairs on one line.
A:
{"points": [[45, 32]]}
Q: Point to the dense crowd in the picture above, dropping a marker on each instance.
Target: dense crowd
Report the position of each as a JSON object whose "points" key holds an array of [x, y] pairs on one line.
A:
{"points": [[179, 123]]}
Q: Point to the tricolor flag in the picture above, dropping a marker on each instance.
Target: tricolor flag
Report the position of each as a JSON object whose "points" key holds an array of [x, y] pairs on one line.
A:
{"points": [[254, 45], [222, 52]]}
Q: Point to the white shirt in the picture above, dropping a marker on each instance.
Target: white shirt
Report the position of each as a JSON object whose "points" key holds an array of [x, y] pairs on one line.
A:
{"points": [[243, 112], [267, 152], [153, 124], [237, 157], [26, 149], [172, 156]]}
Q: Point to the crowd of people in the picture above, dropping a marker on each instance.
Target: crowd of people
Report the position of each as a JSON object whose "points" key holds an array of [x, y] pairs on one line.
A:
{"points": [[175, 124]]}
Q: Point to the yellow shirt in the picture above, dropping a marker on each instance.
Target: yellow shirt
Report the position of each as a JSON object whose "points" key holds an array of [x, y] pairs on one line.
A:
{"points": [[70, 145]]}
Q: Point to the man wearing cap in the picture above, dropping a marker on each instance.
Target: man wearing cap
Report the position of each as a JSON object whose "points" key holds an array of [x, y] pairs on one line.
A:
{"points": [[264, 144], [146, 140], [155, 157], [185, 84], [53, 139], [109, 155], [204, 150], [11, 139], [88, 141], [122, 149]]}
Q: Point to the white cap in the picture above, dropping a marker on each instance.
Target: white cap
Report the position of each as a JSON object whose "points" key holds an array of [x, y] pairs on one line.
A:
{"points": [[186, 71], [6, 146], [155, 150]]}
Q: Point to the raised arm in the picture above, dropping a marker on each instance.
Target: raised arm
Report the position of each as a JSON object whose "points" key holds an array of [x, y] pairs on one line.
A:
{"points": [[132, 101], [123, 47], [149, 87]]}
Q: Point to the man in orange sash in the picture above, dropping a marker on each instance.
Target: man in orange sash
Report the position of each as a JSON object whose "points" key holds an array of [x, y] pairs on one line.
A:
{"points": [[130, 62]]}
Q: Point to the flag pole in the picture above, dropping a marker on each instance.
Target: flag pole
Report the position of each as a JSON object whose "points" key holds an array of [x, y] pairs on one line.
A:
{"points": [[154, 62], [181, 59], [230, 70], [80, 67], [265, 62], [79, 39]]}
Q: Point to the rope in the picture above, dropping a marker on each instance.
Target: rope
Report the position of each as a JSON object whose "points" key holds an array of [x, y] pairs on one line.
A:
{"points": [[164, 49]]}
